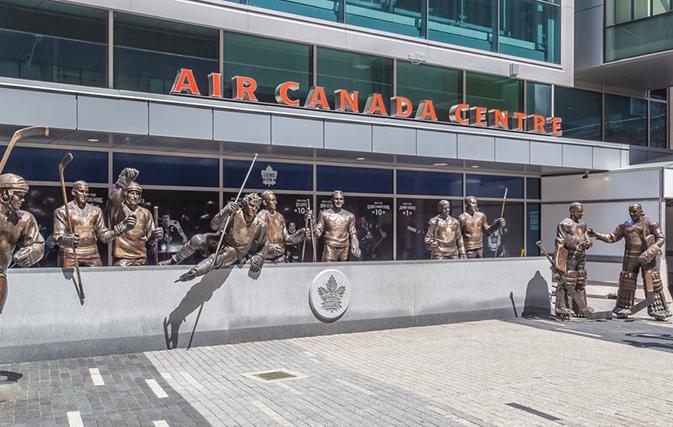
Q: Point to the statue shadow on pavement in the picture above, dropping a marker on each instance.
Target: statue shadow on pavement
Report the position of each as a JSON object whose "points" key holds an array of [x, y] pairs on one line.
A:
{"points": [[7, 376], [195, 298], [537, 302], [69, 274]]}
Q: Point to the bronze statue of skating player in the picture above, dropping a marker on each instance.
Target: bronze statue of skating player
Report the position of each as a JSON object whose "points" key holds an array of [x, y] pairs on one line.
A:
{"points": [[640, 254], [473, 226], [129, 248], [338, 227], [444, 238], [243, 228], [571, 244], [278, 234], [89, 226], [19, 229]]}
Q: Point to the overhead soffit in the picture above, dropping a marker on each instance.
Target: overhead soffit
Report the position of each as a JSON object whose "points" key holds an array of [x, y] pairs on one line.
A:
{"points": [[646, 72]]}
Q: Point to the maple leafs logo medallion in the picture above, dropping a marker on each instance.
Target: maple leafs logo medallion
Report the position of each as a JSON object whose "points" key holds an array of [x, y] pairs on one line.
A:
{"points": [[330, 294]]}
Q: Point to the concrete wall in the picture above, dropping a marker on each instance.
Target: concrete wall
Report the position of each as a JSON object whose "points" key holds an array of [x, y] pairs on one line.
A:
{"points": [[141, 308]]}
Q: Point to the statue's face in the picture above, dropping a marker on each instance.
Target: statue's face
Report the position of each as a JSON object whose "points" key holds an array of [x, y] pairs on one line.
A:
{"points": [[577, 212], [445, 210], [270, 202], [249, 211], [133, 197], [18, 197], [338, 200], [471, 205], [635, 212], [80, 193]]}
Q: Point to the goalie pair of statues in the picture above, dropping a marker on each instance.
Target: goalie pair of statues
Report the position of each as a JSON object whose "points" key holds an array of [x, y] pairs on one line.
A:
{"points": [[644, 240]]}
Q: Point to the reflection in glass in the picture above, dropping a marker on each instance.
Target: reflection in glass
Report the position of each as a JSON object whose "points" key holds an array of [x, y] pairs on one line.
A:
{"points": [[89, 166], [625, 120], [149, 52], [330, 10], [538, 99], [533, 188], [54, 42], [356, 180], [497, 92], [429, 183], [395, 16], [581, 112], [169, 170], [270, 62], [412, 224], [351, 71], [494, 186], [657, 124], [639, 37], [533, 232], [268, 175], [511, 238], [470, 23], [444, 86], [531, 29]]}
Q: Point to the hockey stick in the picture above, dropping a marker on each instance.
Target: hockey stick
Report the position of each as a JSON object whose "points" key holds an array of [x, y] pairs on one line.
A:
{"points": [[502, 212], [21, 133], [61, 168]]}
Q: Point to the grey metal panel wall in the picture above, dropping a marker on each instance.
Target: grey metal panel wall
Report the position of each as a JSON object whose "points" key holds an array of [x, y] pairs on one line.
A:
{"points": [[348, 136], [130, 117], [606, 158], [545, 154], [577, 156], [241, 127], [512, 150], [296, 132], [181, 122], [394, 140], [436, 144], [33, 108], [476, 147]]}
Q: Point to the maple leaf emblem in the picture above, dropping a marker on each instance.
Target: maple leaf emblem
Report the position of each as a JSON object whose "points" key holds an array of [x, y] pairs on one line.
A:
{"points": [[331, 297]]}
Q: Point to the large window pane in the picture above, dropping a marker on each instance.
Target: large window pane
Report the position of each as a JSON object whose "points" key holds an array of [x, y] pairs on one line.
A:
{"points": [[412, 224], [580, 111], [169, 170], [531, 29], [268, 175], [357, 180], [443, 86], [429, 183], [533, 233], [658, 124], [149, 53], [330, 10], [538, 99], [636, 38], [510, 242], [270, 62], [89, 166], [351, 71], [494, 186], [395, 16], [470, 23], [54, 42], [625, 120], [488, 91]]}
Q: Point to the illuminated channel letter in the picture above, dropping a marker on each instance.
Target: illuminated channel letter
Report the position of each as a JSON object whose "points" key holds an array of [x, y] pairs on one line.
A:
{"points": [[346, 101], [401, 106], [281, 93], [244, 88], [426, 111], [478, 116], [215, 84], [375, 105], [316, 98], [457, 114], [518, 121], [180, 86], [498, 119]]}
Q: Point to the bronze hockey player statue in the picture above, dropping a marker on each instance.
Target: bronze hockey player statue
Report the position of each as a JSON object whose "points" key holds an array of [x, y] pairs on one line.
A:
{"points": [[338, 227], [89, 226], [129, 248], [243, 228], [18, 229], [474, 226], [644, 240], [444, 238], [571, 244], [278, 234]]}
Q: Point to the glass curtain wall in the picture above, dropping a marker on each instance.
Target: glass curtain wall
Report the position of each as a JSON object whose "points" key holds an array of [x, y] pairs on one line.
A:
{"points": [[635, 28], [329, 10], [625, 120], [657, 124], [538, 99], [497, 92], [53, 42], [581, 112], [443, 86], [395, 16]]}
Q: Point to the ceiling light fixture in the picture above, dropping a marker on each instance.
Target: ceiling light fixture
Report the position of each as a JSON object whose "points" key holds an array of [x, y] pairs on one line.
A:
{"points": [[439, 164], [360, 158], [92, 140]]}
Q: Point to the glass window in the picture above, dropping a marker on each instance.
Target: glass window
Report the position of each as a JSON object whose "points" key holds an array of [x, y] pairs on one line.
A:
{"points": [[330, 10], [169, 170], [580, 111], [356, 180], [658, 124], [268, 175], [464, 23], [444, 86], [270, 62], [533, 232], [149, 53], [89, 166], [497, 92], [412, 224], [54, 42], [639, 37], [625, 120], [395, 16], [510, 243], [430, 183], [494, 186], [351, 71], [659, 94], [531, 29], [533, 188], [538, 99]]}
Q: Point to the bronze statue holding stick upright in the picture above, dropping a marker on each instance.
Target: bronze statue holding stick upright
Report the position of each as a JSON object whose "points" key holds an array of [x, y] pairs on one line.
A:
{"points": [[278, 234], [444, 239], [474, 226], [338, 227]]}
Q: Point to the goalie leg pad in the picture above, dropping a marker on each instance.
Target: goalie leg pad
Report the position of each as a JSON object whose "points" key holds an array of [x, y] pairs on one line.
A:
{"points": [[626, 293]]}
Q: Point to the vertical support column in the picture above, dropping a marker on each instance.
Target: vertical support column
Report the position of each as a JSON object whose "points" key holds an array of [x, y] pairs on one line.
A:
{"points": [[110, 49], [221, 52], [314, 72], [394, 78]]}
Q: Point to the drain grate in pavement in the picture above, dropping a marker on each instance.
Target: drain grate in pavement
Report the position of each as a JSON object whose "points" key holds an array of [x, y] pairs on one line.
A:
{"points": [[10, 390], [275, 375]]}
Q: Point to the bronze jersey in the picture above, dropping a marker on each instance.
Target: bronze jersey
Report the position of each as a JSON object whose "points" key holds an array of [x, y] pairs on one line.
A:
{"points": [[474, 227], [18, 229], [338, 227], [241, 235], [278, 234], [131, 244], [632, 233], [570, 234], [88, 223], [446, 232]]}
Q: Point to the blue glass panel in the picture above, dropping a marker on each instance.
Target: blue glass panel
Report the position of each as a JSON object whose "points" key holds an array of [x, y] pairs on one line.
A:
{"points": [[533, 188], [412, 224], [357, 180], [533, 224], [169, 170], [401, 16], [330, 10], [531, 29], [89, 166], [511, 240], [658, 124], [580, 111], [429, 183], [268, 175], [625, 120], [494, 186], [444, 86], [465, 23]]}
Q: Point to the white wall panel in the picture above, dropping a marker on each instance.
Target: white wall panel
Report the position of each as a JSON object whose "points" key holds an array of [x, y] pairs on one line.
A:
{"points": [[37, 108], [181, 122], [348, 136], [436, 144], [475, 147], [626, 185], [242, 127], [112, 115]]}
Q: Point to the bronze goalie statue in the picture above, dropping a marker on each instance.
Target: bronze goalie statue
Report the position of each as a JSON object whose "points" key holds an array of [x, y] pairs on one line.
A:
{"points": [[644, 240]]}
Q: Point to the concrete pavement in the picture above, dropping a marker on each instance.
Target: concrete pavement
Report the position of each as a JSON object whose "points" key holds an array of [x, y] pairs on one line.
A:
{"points": [[523, 372]]}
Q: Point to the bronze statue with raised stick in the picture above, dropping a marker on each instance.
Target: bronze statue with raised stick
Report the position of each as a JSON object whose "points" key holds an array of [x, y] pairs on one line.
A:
{"points": [[474, 226]]}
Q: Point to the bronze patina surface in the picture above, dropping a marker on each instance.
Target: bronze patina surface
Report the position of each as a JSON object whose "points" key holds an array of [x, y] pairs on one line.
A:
{"points": [[444, 239], [337, 225], [474, 226]]}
